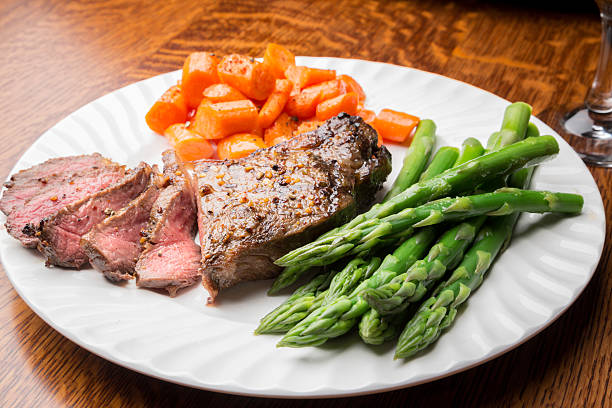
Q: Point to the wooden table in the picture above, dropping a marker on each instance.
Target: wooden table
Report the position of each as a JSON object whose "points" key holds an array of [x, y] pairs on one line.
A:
{"points": [[58, 55]]}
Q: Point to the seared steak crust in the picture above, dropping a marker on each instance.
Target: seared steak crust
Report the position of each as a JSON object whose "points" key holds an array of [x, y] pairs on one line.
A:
{"points": [[171, 258], [113, 246], [60, 234], [253, 210], [27, 183]]}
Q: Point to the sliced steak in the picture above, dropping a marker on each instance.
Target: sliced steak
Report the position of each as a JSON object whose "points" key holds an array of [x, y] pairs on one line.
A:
{"points": [[23, 222], [113, 246], [171, 258], [27, 183], [60, 234], [253, 210]]}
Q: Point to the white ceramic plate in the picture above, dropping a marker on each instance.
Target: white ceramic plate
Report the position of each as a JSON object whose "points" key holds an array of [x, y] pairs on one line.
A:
{"points": [[181, 340]]}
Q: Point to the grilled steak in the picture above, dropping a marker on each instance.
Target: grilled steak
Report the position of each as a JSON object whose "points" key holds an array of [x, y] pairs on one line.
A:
{"points": [[27, 183], [253, 210], [23, 221], [60, 233], [171, 258], [113, 246]]}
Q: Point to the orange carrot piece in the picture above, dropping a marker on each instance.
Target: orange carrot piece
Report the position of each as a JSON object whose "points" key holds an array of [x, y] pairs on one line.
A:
{"points": [[395, 126], [218, 120], [250, 77], [352, 85], [169, 109], [282, 129], [222, 93], [278, 59], [304, 104], [275, 104], [199, 72], [188, 145], [341, 103], [301, 77], [239, 145]]}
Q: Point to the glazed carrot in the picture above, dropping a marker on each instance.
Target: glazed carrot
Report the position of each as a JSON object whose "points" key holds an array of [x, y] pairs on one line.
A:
{"points": [[222, 93], [250, 77], [188, 145], [278, 59], [353, 86], [218, 120], [282, 129], [305, 76], [341, 103], [307, 126], [275, 103], [395, 126], [239, 145], [170, 108], [368, 117], [304, 104], [199, 72]]}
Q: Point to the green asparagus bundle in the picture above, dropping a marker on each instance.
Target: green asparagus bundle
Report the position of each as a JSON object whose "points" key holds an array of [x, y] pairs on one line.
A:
{"points": [[438, 312], [411, 285], [415, 159], [339, 316], [406, 288], [458, 179]]}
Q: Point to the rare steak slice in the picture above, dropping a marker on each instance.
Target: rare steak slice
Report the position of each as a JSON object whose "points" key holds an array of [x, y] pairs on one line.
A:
{"points": [[253, 210], [113, 246], [171, 258], [27, 183], [23, 222], [60, 233]]}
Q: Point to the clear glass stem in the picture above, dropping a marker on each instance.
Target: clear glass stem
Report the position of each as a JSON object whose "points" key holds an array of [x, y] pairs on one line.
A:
{"points": [[599, 97]]}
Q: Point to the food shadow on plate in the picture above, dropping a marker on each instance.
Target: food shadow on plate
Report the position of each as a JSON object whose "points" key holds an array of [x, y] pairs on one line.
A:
{"points": [[537, 222]]}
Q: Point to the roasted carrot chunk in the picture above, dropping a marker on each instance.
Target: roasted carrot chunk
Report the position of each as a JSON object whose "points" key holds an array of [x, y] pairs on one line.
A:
{"points": [[275, 103], [218, 120], [250, 77], [199, 72], [222, 93], [341, 103], [170, 108], [304, 104], [282, 129], [353, 86], [301, 77], [278, 59], [239, 145], [395, 126], [188, 145]]}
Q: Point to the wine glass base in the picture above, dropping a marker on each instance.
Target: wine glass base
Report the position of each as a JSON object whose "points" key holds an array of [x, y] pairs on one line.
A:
{"points": [[591, 139]]}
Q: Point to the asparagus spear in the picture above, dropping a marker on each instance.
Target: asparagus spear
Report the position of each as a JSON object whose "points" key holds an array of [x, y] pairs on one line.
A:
{"points": [[376, 329], [458, 179], [438, 312], [350, 277], [471, 148], [444, 159], [502, 201], [411, 285], [416, 158], [326, 322], [514, 126], [295, 308]]}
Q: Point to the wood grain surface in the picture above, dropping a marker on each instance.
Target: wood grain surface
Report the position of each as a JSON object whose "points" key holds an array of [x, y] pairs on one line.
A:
{"points": [[59, 55]]}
